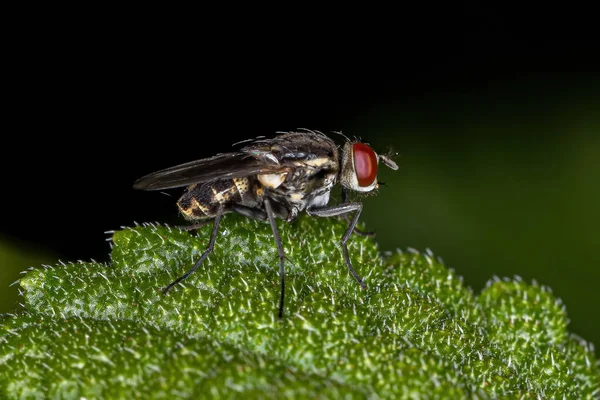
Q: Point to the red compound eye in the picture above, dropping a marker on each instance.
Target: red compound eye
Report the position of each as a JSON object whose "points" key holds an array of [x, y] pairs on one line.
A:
{"points": [[365, 164]]}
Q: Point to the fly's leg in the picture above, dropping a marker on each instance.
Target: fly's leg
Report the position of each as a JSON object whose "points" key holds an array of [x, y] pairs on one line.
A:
{"points": [[271, 217], [195, 226], [252, 213], [358, 231], [242, 210], [339, 210], [209, 249], [347, 218], [263, 215]]}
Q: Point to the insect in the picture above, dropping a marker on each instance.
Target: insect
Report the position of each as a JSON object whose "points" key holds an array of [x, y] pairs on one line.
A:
{"points": [[273, 178]]}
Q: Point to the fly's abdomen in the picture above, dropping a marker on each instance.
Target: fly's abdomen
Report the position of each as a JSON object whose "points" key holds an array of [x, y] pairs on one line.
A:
{"points": [[203, 200]]}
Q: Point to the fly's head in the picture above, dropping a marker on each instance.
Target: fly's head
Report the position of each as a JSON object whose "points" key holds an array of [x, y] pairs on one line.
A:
{"points": [[360, 164]]}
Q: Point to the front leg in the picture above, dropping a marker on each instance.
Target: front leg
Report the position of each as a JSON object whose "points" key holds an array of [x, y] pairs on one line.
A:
{"points": [[347, 218], [339, 210]]}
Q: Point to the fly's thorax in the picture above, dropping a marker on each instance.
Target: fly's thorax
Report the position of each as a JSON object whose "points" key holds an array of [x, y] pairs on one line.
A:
{"points": [[318, 200], [272, 181], [302, 190]]}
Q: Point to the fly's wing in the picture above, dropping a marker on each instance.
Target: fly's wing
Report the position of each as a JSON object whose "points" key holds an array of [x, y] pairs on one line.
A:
{"points": [[283, 153], [221, 166]]}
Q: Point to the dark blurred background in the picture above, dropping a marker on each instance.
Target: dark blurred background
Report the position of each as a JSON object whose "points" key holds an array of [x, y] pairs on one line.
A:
{"points": [[496, 131]]}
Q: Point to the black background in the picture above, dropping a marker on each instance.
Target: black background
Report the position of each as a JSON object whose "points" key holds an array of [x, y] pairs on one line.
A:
{"points": [[94, 107]]}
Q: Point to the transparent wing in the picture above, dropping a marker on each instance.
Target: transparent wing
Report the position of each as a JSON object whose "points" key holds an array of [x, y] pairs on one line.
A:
{"points": [[282, 153], [221, 166]]}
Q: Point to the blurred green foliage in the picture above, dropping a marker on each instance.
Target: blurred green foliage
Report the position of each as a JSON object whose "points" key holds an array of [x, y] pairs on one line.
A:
{"points": [[16, 257], [105, 330]]}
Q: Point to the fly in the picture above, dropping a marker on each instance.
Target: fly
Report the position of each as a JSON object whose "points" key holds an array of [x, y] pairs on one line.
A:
{"points": [[273, 178]]}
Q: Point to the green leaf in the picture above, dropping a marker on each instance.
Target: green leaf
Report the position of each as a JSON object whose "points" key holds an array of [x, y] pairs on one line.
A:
{"points": [[96, 330]]}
